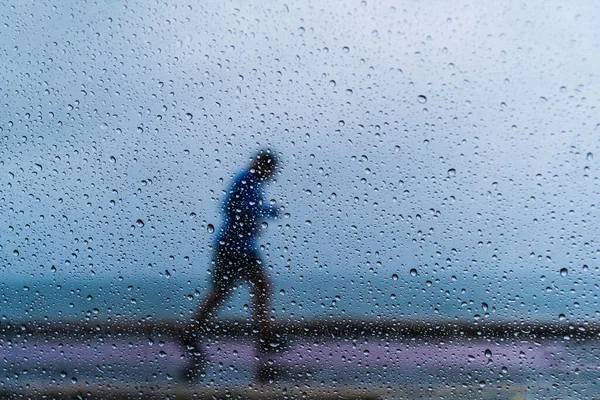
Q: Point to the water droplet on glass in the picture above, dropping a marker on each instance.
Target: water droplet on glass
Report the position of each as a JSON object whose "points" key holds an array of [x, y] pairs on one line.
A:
{"points": [[564, 272], [484, 306], [210, 228], [413, 272], [590, 156], [345, 49], [451, 172], [421, 99], [139, 223], [488, 353], [395, 277]]}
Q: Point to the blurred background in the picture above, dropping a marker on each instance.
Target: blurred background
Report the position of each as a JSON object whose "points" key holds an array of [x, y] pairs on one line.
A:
{"points": [[439, 184]]}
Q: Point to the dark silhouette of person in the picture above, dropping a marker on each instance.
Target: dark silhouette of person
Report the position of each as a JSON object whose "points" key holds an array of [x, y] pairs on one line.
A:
{"points": [[237, 258]]}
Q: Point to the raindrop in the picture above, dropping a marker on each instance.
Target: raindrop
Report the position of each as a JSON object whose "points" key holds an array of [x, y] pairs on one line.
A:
{"points": [[421, 99], [139, 223], [590, 156], [488, 353], [345, 49], [395, 277], [484, 306], [413, 272], [564, 272], [451, 172], [210, 228]]}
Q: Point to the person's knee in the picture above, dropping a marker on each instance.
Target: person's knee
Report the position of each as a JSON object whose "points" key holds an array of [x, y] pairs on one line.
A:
{"points": [[263, 283]]}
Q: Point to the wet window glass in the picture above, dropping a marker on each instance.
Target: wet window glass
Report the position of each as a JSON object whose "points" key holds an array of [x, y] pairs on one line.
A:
{"points": [[357, 199]]}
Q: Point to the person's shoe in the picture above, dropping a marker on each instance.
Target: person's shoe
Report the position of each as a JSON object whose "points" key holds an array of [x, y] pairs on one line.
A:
{"points": [[196, 365], [269, 373], [273, 343]]}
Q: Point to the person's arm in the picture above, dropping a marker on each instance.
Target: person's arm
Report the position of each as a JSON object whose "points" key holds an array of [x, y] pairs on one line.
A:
{"points": [[270, 211], [250, 200]]}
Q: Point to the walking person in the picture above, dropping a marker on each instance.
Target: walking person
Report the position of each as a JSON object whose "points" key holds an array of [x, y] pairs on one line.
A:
{"points": [[237, 258]]}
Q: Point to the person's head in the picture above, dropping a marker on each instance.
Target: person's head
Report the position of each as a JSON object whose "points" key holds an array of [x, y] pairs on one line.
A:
{"points": [[264, 164]]}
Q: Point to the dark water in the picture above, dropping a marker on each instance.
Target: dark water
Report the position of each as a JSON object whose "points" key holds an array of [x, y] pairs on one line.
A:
{"points": [[456, 296]]}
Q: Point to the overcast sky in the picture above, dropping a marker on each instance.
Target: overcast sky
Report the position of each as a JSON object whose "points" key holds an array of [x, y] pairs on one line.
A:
{"points": [[435, 136]]}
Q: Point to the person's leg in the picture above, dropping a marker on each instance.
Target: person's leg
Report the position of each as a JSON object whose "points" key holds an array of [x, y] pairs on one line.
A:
{"points": [[267, 343], [261, 283], [196, 359], [211, 303], [221, 289]]}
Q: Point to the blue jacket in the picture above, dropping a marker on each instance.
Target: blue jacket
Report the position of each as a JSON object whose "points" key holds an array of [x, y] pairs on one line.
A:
{"points": [[243, 211]]}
